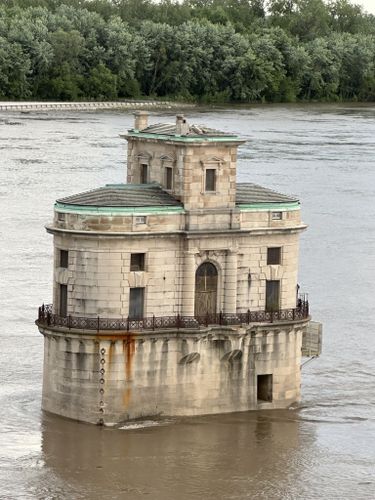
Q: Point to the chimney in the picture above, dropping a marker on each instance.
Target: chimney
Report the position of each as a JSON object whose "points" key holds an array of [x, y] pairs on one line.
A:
{"points": [[182, 126], [140, 120]]}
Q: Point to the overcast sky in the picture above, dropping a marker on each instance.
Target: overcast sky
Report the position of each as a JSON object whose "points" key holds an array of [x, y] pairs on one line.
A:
{"points": [[369, 5]]}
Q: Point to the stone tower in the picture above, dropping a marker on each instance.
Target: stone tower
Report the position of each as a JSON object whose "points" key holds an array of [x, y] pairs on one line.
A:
{"points": [[176, 293]]}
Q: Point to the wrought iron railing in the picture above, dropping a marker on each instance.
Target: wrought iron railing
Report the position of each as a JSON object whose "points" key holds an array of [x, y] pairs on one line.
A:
{"points": [[47, 318]]}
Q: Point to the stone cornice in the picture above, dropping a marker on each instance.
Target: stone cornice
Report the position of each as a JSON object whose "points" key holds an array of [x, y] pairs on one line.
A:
{"points": [[204, 233]]}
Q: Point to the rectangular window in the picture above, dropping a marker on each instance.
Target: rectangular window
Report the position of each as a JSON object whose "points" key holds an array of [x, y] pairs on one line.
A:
{"points": [[272, 295], [144, 171], [64, 258], [60, 217], [264, 388], [168, 177], [63, 305], [210, 179], [141, 219], [137, 262], [136, 303], [276, 215], [274, 255]]}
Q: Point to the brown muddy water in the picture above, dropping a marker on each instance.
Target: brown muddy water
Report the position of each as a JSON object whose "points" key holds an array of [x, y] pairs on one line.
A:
{"points": [[324, 449]]}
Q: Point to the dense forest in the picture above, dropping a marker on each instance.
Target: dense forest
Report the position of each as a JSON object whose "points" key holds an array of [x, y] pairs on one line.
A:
{"points": [[193, 50]]}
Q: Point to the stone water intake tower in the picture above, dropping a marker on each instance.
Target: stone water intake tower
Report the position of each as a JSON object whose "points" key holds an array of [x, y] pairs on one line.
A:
{"points": [[175, 293]]}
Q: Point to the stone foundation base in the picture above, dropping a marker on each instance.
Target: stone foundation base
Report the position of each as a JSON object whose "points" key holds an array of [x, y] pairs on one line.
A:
{"points": [[111, 378]]}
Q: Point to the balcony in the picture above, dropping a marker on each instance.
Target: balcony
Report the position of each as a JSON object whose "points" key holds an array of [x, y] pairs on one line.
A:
{"points": [[47, 318]]}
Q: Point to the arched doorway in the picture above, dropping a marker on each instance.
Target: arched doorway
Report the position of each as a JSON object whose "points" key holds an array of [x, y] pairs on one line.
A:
{"points": [[205, 289]]}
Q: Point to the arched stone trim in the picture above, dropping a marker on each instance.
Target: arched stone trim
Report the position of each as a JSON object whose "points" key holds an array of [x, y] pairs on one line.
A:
{"points": [[231, 356], [217, 258], [206, 289], [190, 358]]}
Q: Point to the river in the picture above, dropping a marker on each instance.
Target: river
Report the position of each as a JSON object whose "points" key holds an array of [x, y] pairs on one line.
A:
{"points": [[325, 154]]}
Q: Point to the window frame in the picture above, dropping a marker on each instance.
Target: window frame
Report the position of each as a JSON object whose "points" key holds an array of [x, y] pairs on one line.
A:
{"points": [[64, 258], [270, 305], [168, 171], [269, 256], [143, 167], [277, 215], [132, 291], [63, 300], [137, 267], [214, 171]]}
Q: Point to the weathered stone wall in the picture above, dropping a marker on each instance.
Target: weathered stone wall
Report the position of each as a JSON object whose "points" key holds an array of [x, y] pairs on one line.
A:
{"points": [[113, 378], [252, 219], [189, 162], [99, 277], [162, 221]]}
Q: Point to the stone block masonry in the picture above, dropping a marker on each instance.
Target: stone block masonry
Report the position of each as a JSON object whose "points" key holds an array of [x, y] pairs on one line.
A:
{"points": [[110, 378]]}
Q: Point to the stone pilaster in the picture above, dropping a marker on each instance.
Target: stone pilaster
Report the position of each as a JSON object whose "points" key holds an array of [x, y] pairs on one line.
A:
{"points": [[230, 285], [188, 286]]}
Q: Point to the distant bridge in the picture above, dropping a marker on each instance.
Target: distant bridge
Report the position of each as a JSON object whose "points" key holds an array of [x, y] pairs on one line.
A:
{"points": [[88, 106]]}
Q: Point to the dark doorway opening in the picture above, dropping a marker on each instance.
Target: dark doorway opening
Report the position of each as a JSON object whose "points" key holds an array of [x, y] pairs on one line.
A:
{"points": [[264, 388]]}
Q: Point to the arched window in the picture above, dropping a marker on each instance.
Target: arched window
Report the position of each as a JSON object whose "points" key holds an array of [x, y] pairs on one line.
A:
{"points": [[206, 279]]}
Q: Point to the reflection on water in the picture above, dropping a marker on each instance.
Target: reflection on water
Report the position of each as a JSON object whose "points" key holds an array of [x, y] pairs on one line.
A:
{"points": [[183, 457], [326, 449]]}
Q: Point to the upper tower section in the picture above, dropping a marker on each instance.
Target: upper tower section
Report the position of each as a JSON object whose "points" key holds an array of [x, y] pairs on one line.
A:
{"points": [[195, 164]]}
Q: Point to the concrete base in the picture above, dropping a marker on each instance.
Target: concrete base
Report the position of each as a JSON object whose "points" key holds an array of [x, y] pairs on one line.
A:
{"points": [[110, 378]]}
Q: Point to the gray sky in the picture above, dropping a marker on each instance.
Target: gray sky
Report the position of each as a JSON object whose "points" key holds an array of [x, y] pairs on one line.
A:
{"points": [[368, 5]]}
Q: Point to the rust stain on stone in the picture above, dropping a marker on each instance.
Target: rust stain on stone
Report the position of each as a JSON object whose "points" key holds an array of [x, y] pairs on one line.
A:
{"points": [[128, 347], [126, 396], [110, 353]]}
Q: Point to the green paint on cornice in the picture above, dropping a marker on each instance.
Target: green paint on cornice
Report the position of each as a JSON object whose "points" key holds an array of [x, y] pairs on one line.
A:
{"points": [[265, 207], [113, 211], [181, 138]]}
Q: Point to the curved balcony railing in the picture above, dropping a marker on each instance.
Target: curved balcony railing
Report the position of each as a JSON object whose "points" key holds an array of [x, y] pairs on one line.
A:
{"points": [[47, 318]]}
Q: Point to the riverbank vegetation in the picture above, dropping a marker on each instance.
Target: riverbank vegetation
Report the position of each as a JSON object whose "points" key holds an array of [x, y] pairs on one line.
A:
{"points": [[193, 50]]}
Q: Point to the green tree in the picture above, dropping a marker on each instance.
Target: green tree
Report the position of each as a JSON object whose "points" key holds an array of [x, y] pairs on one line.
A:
{"points": [[101, 83]]}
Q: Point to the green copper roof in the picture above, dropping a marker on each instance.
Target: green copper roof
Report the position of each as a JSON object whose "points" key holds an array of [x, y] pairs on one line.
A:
{"points": [[184, 138], [117, 199]]}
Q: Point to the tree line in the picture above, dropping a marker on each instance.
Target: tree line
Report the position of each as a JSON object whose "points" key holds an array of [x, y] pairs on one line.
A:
{"points": [[194, 50]]}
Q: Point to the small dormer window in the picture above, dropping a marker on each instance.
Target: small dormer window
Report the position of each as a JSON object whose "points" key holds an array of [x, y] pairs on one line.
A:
{"points": [[210, 185], [168, 177]]}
